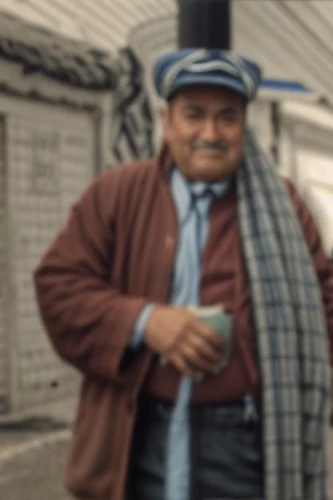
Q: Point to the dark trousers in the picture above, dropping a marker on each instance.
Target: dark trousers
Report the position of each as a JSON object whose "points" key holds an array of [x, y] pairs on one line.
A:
{"points": [[226, 453]]}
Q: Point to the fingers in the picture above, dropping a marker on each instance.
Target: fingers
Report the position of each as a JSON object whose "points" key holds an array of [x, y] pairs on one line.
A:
{"points": [[186, 341], [206, 333], [197, 361], [182, 365], [205, 350], [197, 349], [190, 360]]}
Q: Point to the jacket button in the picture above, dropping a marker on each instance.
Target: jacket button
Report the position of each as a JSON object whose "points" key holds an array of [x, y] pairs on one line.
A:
{"points": [[169, 241]]}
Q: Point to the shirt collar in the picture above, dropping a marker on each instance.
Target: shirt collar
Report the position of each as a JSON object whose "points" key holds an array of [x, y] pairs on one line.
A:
{"points": [[181, 191]]}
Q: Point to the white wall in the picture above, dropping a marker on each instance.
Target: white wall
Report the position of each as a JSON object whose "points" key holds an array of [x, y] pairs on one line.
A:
{"points": [[307, 158], [50, 159]]}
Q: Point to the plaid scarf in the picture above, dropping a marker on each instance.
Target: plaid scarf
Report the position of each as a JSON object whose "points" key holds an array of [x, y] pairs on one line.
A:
{"points": [[291, 333]]}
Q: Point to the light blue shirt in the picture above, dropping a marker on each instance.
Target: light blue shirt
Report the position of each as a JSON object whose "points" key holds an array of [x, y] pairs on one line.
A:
{"points": [[186, 276], [185, 290]]}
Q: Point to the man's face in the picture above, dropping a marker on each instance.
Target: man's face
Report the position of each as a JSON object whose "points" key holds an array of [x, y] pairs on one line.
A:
{"points": [[204, 128]]}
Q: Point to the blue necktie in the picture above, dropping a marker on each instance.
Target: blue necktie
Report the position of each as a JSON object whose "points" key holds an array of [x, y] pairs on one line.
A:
{"points": [[178, 472]]}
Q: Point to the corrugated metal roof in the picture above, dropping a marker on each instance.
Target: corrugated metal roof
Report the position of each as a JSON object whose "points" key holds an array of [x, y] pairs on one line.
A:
{"points": [[288, 39], [102, 22], [291, 39]]}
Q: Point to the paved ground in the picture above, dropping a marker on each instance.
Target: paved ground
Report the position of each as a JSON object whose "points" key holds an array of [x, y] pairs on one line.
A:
{"points": [[330, 455], [35, 475], [33, 454]]}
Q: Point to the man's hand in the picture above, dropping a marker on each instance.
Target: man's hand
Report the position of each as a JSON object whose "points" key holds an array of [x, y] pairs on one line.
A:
{"points": [[183, 339]]}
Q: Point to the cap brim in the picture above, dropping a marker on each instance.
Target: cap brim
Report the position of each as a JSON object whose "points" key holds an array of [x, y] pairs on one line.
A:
{"points": [[201, 79]]}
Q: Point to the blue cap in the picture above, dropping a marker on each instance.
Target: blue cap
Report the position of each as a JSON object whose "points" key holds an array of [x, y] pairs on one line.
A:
{"points": [[189, 67]]}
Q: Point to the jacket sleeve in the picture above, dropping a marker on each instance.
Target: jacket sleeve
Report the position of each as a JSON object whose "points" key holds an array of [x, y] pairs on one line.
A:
{"points": [[323, 265], [140, 326], [88, 320]]}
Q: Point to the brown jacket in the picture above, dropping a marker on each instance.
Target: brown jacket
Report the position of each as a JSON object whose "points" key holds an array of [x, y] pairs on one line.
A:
{"points": [[113, 256]]}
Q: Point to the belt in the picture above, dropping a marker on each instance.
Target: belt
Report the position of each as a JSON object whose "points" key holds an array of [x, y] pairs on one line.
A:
{"points": [[227, 415]]}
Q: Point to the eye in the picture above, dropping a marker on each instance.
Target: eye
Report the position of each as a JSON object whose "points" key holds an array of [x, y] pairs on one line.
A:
{"points": [[192, 116], [229, 117]]}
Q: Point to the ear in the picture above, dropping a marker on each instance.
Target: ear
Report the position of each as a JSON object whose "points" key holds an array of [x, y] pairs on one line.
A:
{"points": [[164, 114]]}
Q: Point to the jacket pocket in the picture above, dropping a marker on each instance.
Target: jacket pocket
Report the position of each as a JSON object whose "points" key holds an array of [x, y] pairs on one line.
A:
{"points": [[90, 470]]}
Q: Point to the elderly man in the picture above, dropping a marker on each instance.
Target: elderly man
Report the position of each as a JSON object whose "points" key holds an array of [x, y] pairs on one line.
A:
{"points": [[181, 401]]}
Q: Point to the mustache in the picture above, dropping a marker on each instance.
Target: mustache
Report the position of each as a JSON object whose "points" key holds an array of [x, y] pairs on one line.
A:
{"points": [[219, 145]]}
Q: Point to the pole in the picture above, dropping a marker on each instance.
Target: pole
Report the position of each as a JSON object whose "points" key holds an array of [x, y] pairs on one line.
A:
{"points": [[204, 24]]}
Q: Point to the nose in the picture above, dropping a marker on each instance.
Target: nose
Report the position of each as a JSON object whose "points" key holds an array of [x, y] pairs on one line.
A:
{"points": [[209, 131]]}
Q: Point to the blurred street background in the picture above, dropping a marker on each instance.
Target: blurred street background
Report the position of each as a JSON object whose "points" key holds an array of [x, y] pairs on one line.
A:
{"points": [[33, 452], [76, 98]]}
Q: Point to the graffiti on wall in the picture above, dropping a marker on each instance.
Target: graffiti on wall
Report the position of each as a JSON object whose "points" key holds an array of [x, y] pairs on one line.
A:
{"points": [[132, 116], [46, 160]]}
